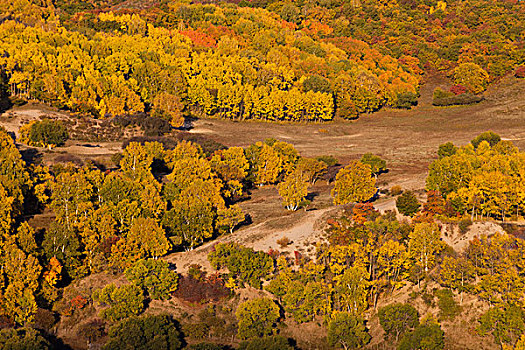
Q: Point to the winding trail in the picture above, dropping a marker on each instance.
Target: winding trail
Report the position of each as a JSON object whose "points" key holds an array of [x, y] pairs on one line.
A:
{"points": [[307, 230]]}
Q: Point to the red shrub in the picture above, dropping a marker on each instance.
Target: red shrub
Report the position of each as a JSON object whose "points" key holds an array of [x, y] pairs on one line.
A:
{"points": [[78, 302], [458, 89], [195, 291], [520, 72], [274, 253], [298, 257]]}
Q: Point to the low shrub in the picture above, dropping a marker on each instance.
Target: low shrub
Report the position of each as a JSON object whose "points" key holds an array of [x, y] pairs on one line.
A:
{"points": [[455, 100], [407, 203], [283, 242], [406, 100], [396, 190], [150, 125], [200, 291], [458, 89], [464, 225]]}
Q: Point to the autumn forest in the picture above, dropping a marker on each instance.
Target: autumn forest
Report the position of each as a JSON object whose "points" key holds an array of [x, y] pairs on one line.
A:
{"points": [[262, 174]]}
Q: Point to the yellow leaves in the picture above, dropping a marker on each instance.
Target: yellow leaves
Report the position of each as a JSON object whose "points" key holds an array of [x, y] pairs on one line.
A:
{"points": [[231, 284], [22, 273], [441, 6], [230, 164], [52, 274], [393, 261], [24, 133], [230, 217], [424, 244], [339, 258], [354, 183], [268, 165], [293, 190], [169, 106], [471, 76], [6, 211]]}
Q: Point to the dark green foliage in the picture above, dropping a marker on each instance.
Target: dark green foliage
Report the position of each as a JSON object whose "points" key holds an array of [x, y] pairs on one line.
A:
{"points": [[491, 137], [5, 102], [505, 323], [347, 331], [276, 342], [428, 336], [145, 333], [65, 245], [428, 298], [377, 164], [448, 308], [453, 100], [153, 276], [212, 322], [22, 339], [48, 132], [406, 100], [397, 319], [150, 125], [407, 203], [247, 265], [446, 150]]}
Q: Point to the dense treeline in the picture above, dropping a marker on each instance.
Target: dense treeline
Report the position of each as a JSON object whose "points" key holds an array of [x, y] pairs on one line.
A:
{"points": [[440, 34], [238, 63], [289, 61]]}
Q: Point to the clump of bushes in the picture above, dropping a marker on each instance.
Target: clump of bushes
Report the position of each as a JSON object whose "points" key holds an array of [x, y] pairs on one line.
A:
{"points": [[150, 125], [201, 289], [396, 190], [406, 100], [44, 133], [450, 98], [491, 137], [328, 160], [464, 225]]}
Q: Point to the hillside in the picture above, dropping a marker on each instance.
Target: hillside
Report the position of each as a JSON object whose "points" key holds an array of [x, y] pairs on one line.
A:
{"points": [[260, 174]]}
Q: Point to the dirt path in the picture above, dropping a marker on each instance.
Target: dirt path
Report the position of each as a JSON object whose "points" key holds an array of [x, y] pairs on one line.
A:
{"points": [[384, 204], [305, 233]]}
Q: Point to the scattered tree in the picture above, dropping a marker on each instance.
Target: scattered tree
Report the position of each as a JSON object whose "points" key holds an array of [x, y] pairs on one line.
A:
{"points": [[257, 318], [354, 183], [407, 203]]}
